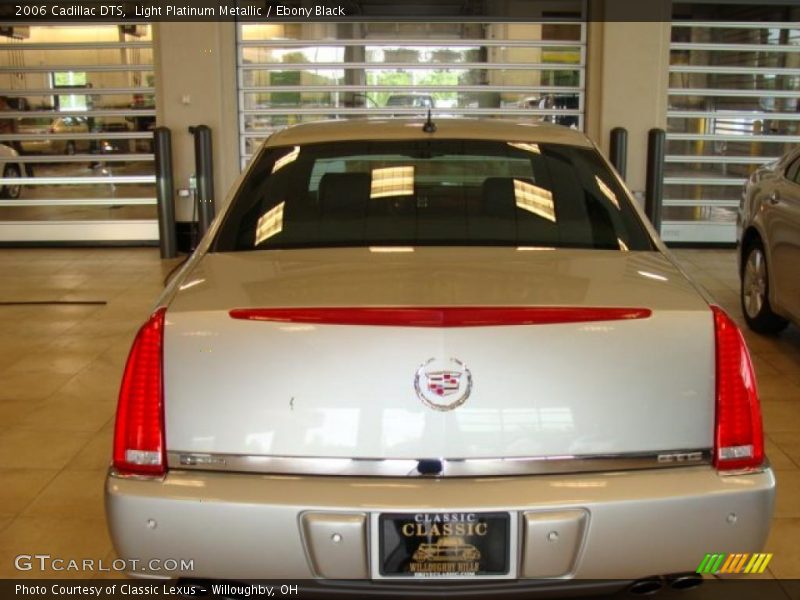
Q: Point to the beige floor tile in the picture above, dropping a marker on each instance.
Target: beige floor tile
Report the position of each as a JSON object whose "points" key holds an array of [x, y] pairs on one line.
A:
{"points": [[764, 369], [10, 355], [75, 341], [19, 487], [60, 538], [38, 450], [35, 384], [787, 365], [96, 455], [778, 388], [67, 415], [45, 329], [761, 345], [780, 416], [71, 494], [783, 543], [787, 495], [53, 360], [98, 382], [108, 328], [778, 459], [789, 443], [11, 411], [30, 385]]}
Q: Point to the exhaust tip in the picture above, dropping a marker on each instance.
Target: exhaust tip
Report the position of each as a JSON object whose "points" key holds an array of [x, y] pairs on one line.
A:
{"points": [[646, 587], [684, 581]]}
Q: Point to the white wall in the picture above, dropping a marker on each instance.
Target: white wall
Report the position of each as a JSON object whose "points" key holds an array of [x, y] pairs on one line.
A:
{"points": [[196, 85], [628, 77]]}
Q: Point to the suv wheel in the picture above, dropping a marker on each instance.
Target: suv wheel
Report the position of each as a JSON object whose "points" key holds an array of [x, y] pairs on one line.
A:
{"points": [[755, 292]]}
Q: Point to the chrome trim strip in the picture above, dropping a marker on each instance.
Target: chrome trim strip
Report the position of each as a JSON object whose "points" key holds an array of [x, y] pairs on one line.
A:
{"points": [[115, 474], [459, 467]]}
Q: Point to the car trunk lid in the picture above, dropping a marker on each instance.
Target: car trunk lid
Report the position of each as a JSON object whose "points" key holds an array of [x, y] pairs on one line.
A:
{"points": [[631, 371]]}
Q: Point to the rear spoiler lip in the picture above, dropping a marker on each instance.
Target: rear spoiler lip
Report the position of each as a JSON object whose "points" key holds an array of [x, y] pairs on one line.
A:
{"points": [[451, 316]]}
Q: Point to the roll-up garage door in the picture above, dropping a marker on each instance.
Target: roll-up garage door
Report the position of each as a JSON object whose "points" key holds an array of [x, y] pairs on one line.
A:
{"points": [[734, 104], [77, 109], [297, 72]]}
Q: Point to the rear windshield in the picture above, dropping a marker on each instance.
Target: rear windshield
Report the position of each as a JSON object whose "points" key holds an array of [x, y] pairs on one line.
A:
{"points": [[425, 193]]}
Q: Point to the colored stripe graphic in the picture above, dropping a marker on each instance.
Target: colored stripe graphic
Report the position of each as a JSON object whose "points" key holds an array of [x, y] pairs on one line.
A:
{"points": [[768, 557], [734, 563], [741, 563], [728, 562], [703, 564]]}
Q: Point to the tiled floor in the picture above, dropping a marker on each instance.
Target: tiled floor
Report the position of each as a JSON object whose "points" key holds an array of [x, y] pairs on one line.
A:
{"points": [[60, 366]]}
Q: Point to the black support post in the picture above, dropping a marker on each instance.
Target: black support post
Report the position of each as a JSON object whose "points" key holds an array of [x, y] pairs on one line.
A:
{"points": [[162, 141], [619, 150], [204, 171], [654, 184]]}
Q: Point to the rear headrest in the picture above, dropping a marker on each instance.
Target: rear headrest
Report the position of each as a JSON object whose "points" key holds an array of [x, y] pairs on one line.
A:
{"points": [[343, 193]]}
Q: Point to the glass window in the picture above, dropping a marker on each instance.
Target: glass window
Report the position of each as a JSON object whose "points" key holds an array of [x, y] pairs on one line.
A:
{"points": [[70, 79], [444, 192], [733, 106], [87, 175], [294, 72]]}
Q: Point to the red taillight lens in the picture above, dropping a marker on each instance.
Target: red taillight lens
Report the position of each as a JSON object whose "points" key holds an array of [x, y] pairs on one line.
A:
{"points": [[739, 438], [139, 433]]}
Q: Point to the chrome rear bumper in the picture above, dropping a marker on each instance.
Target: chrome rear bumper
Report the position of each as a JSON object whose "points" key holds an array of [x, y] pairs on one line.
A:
{"points": [[246, 526]]}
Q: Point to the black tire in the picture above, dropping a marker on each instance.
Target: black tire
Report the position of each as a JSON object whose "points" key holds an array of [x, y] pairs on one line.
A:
{"points": [[754, 291], [11, 192]]}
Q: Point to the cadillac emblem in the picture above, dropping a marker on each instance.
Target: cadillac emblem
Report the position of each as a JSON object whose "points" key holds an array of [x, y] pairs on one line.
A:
{"points": [[443, 384]]}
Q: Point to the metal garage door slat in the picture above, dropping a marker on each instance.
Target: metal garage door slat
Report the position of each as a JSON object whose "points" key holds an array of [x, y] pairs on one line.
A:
{"points": [[519, 74]]}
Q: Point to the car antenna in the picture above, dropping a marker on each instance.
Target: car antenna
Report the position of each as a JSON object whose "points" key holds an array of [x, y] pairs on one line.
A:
{"points": [[429, 126]]}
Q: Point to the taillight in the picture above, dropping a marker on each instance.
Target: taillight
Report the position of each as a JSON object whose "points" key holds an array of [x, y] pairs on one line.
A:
{"points": [[739, 438], [139, 447]]}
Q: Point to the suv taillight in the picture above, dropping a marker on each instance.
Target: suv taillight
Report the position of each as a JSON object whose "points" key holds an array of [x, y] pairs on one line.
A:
{"points": [[739, 438], [139, 447]]}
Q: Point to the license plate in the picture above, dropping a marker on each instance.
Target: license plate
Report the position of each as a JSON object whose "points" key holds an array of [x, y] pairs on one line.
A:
{"points": [[445, 545]]}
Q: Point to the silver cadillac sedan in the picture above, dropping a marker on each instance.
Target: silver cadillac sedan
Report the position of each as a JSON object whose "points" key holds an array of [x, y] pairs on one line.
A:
{"points": [[768, 232], [436, 355]]}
